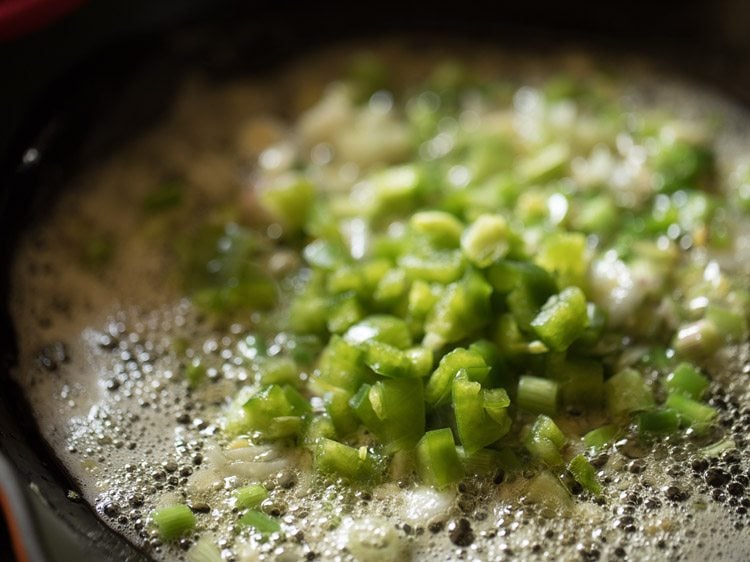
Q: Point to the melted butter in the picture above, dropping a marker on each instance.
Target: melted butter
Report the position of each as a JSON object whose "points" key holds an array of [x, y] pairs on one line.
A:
{"points": [[108, 393]]}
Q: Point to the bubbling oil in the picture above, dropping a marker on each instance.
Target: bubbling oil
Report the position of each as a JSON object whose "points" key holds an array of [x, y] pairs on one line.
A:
{"points": [[97, 362]]}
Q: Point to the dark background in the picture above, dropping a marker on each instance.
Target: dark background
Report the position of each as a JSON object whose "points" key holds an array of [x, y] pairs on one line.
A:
{"points": [[98, 74], [707, 38]]}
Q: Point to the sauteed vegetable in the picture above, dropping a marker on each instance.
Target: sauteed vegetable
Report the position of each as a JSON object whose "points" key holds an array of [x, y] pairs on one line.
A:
{"points": [[459, 310]]}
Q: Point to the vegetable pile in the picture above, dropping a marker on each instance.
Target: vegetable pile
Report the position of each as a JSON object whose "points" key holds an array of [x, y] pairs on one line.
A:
{"points": [[491, 277]]}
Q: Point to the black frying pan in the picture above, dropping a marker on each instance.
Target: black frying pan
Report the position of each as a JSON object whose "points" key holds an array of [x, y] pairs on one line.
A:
{"points": [[74, 91]]}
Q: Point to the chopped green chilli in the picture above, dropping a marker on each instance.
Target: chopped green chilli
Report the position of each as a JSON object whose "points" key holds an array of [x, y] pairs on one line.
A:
{"points": [[173, 521], [340, 460], [562, 319], [545, 441], [600, 437], [250, 496], [585, 474], [260, 522], [627, 393], [438, 459], [686, 379], [692, 412], [481, 415], [537, 395], [658, 421]]}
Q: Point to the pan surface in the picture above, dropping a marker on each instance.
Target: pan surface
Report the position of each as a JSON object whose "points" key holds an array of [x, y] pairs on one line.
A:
{"points": [[62, 141]]}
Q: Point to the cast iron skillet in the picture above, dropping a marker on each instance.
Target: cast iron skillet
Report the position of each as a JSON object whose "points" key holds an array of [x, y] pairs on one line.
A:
{"points": [[75, 91]]}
